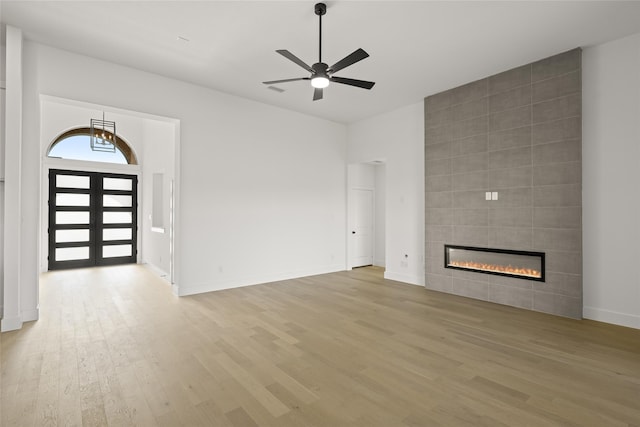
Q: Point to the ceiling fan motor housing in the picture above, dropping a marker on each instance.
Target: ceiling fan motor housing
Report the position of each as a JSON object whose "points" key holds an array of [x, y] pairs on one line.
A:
{"points": [[320, 68]]}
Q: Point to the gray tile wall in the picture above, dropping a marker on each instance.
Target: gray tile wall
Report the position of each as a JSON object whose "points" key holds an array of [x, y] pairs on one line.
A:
{"points": [[517, 133]]}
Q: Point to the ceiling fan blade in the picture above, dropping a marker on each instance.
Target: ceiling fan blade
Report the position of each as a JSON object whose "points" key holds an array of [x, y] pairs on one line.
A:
{"points": [[356, 56], [290, 56], [272, 82], [353, 82], [317, 94]]}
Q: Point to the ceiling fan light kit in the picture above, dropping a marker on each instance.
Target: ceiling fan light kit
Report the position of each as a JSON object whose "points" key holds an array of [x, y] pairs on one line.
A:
{"points": [[321, 73], [319, 82]]}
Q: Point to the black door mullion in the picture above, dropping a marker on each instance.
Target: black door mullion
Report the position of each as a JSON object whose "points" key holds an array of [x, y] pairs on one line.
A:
{"points": [[73, 245], [74, 209], [73, 190], [118, 192], [96, 202], [116, 242], [134, 218], [72, 226], [117, 225], [52, 219]]}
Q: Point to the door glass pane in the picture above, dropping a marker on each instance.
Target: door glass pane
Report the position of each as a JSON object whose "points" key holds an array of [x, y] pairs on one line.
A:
{"points": [[116, 234], [72, 236], [115, 200], [72, 217], [72, 199], [116, 250], [78, 147], [68, 254], [117, 184], [116, 217], [72, 181]]}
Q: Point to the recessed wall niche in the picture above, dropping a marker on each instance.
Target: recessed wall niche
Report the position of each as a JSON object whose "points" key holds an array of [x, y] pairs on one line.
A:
{"points": [[503, 170]]}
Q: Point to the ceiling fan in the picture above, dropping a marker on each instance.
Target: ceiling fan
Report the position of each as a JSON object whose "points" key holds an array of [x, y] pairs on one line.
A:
{"points": [[321, 73]]}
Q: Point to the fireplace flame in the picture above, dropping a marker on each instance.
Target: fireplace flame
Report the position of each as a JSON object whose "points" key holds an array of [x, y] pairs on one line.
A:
{"points": [[508, 269]]}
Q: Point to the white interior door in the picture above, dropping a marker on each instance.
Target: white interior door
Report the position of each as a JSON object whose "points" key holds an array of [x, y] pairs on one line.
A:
{"points": [[362, 229]]}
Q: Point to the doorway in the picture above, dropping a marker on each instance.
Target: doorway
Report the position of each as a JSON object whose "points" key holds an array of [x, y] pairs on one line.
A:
{"points": [[366, 212], [362, 229], [92, 219]]}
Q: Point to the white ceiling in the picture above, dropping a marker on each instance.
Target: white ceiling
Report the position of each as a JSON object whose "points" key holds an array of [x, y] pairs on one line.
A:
{"points": [[417, 48]]}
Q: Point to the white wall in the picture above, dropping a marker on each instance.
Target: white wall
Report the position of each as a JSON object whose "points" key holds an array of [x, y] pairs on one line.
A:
{"points": [[397, 138], [15, 309], [361, 175], [3, 52], [158, 158], [3, 58], [261, 189], [611, 174]]}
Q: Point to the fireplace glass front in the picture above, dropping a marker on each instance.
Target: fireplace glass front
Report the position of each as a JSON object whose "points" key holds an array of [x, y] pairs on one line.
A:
{"points": [[503, 262]]}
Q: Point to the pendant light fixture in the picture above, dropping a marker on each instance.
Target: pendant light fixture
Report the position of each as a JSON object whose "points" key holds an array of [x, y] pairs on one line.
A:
{"points": [[102, 135]]}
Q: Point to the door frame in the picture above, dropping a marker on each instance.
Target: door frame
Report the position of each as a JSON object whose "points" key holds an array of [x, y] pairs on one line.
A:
{"points": [[96, 225], [81, 166], [356, 180], [352, 225], [353, 184]]}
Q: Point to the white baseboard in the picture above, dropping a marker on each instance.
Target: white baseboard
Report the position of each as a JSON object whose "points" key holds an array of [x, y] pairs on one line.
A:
{"points": [[30, 315], [10, 324], [404, 278], [250, 281], [16, 322], [614, 317], [157, 271]]}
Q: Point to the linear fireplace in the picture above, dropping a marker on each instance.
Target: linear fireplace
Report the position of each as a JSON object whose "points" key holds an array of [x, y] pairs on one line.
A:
{"points": [[503, 262]]}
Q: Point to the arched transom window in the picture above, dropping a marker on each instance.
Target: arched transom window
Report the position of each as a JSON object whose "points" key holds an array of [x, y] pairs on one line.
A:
{"points": [[76, 145]]}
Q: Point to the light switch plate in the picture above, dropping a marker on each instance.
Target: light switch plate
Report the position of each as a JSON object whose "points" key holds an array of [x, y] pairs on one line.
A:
{"points": [[494, 195], [487, 195]]}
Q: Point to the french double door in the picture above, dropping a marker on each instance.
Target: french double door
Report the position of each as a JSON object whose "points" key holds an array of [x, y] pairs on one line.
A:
{"points": [[92, 219]]}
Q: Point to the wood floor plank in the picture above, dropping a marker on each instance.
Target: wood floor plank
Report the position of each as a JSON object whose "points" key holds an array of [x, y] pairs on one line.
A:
{"points": [[240, 418], [115, 347], [257, 390]]}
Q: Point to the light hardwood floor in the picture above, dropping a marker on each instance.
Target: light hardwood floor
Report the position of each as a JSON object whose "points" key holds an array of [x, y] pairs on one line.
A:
{"points": [[114, 347]]}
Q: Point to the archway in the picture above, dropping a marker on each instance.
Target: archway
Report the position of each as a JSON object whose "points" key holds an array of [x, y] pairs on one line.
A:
{"points": [[75, 144]]}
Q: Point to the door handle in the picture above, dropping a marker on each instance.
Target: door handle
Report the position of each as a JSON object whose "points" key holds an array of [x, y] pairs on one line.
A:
{"points": [[353, 232]]}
